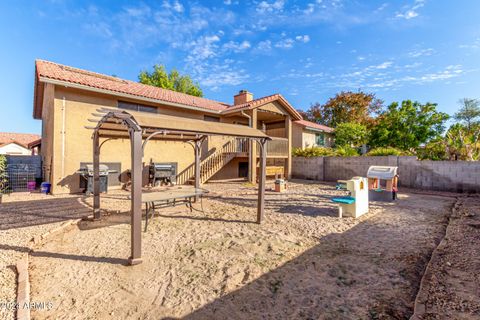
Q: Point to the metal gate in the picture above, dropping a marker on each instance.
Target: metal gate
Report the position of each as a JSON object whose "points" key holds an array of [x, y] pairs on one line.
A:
{"points": [[24, 173]]}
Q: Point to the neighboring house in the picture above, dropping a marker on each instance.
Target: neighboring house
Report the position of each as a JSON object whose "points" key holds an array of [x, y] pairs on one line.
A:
{"points": [[66, 98], [16, 143], [310, 134]]}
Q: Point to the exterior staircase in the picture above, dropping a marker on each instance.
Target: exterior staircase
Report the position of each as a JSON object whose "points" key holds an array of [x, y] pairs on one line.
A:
{"points": [[214, 162]]}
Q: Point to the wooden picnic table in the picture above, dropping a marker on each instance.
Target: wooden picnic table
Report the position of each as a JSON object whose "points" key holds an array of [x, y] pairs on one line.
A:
{"points": [[170, 197]]}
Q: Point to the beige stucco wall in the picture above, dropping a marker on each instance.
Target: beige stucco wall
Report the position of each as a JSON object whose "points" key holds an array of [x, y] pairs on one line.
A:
{"points": [[78, 107], [229, 171], [303, 138], [66, 142], [48, 113]]}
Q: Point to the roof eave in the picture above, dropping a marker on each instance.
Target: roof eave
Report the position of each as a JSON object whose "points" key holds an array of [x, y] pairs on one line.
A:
{"points": [[37, 95], [316, 129], [123, 95], [280, 98]]}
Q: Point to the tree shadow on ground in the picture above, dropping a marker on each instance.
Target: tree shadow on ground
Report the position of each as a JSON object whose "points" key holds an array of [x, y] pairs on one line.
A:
{"points": [[46, 254], [42, 211], [317, 207], [369, 271]]}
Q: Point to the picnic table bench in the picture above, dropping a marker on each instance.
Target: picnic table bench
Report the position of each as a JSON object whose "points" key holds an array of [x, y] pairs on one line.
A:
{"points": [[169, 198]]}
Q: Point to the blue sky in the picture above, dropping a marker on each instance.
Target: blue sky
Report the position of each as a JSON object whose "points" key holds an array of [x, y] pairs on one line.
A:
{"points": [[423, 50]]}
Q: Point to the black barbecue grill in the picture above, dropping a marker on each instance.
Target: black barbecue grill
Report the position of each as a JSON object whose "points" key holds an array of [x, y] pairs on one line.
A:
{"points": [[86, 180], [163, 173]]}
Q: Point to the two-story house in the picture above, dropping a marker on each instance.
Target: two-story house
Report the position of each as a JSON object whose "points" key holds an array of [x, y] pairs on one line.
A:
{"points": [[66, 97]]}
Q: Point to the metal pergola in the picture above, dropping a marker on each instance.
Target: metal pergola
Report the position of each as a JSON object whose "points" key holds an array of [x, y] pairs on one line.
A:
{"points": [[140, 129]]}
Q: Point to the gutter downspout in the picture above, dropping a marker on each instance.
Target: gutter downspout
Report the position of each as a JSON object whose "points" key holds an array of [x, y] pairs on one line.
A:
{"points": [[250, 144], [63, 138]]}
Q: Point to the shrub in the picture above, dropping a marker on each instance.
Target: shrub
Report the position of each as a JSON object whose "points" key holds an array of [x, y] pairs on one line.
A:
{"points": [[385, 151], [434, 150], [346, 151], [3, 174], [313, 152]]}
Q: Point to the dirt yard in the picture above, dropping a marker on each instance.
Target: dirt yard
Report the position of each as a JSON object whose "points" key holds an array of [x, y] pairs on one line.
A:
{"points": [[24, 216], [303, 262], [451, 285]]}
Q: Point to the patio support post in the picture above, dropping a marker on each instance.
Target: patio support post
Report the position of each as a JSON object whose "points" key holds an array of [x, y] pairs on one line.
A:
{"points": [[136, 197], [197, 148], [288, 133], [96, 176], [252, 155], [261, 180], [198, 144]]}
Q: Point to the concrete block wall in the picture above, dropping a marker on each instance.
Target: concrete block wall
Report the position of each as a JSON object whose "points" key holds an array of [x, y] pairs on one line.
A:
{"points": [[341, 168], [456, 176], [308, 168]]}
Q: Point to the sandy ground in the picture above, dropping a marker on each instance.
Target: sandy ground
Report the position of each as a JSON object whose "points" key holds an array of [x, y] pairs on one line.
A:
{"points": [[302, 262], [451, 288], [24, 216]]}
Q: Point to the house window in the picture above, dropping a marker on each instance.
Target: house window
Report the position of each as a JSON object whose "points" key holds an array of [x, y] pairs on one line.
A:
{"points": [[211, 119], [319, 139], [136, 107]]}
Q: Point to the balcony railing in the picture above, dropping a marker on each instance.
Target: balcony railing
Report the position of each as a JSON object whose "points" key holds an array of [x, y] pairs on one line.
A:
{"points": [[277, 147]]}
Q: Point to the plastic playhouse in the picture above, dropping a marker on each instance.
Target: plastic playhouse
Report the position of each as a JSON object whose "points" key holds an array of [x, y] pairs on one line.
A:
{"points": [[382, 183], [356, 203]]}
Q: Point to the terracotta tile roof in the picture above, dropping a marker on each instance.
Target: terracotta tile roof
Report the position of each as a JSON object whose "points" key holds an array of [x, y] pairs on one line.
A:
{"points": [[54, 71], [46, 70], [35, 143], [263, 100], [255, 102], [305, 123], [22, 139]]}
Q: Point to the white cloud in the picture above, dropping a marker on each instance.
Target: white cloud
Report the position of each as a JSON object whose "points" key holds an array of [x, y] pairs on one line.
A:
{"points": [[411, 12], [204, 47], [265, 6], [285, 43], [101, 29], [310, 8], [304, 38], [216, 78], [421, 52], [474, 45], [175, 6], [383, 65], [237, 46], [265, 45]]}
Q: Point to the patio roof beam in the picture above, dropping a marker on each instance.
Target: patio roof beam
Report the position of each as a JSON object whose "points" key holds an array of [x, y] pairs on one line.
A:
{"points": [[196, 134]]}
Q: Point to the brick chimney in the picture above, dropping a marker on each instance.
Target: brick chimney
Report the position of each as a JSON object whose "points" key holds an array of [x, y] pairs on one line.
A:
{"points": [[242, 97]]}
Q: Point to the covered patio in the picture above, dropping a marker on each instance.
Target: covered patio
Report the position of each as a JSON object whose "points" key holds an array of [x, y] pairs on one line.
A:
{"points": [[139, 128]]}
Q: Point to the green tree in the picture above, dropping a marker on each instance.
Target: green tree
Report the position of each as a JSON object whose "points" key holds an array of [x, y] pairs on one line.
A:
{"points": [[172, 81], [408, 125], [347, 106], [350, 134], [469, 112], [463, 143], [434, 150]]}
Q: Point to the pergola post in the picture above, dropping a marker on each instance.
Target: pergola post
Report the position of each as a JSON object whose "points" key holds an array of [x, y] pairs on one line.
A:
{"points": [[136, 196], [198, 144], [261, 180], [96, 176], [197, 147]]}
